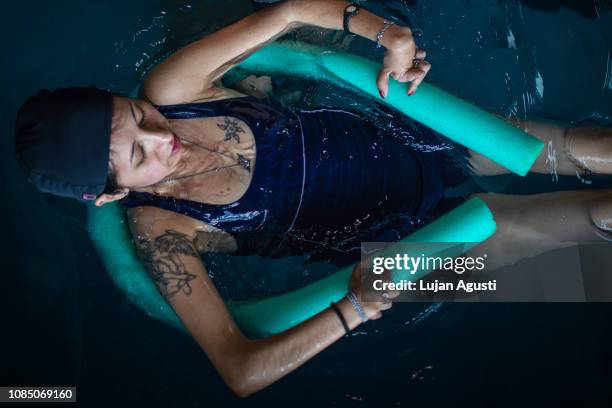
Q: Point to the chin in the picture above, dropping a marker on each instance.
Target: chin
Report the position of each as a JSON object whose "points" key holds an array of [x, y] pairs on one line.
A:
{"points": [[159, 180]]}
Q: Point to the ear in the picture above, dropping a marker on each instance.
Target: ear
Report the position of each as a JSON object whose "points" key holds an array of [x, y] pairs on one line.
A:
{"points": [[109, 198]]}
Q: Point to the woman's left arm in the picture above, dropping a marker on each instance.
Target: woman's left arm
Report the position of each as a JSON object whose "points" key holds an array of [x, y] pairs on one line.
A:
{"points": [[190, 73]]}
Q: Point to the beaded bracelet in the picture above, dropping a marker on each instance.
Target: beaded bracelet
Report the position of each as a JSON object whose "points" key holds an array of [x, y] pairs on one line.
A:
{"points": [[357, 306], [382, 31]]}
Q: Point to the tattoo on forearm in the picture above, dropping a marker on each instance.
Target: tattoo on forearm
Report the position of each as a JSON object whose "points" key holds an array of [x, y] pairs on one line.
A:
{"points": [[161, 257], [232, 129]]}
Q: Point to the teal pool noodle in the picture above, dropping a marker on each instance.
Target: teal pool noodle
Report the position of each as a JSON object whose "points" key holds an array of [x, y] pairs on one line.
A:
{"points": [[450, 116], [471, 222]]}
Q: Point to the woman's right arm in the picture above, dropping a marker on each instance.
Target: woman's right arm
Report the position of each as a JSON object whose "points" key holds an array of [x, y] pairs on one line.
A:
{"points": [[190, 73], [168, 250]]}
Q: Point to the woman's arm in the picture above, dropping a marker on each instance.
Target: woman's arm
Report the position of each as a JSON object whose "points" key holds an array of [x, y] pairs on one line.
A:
{"points": [[190, 73], [166, 246], [398, 40], [330, 14]]}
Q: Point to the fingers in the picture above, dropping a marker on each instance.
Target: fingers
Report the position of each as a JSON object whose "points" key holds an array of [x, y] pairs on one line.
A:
{"points": [[373, 308], [420, 54], [393, 294], [417, 74], [389, 294], [382, 82], [376, 316], [403, 69], [387, 276], [396, 76], [388, 299]]}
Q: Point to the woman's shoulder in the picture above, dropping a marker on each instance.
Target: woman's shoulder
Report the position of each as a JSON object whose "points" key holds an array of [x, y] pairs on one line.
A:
{"points": [[149, 222], [153, 221]]}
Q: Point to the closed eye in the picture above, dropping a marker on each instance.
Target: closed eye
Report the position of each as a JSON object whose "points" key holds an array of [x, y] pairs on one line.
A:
{"points": [[142, 114], [142, 155], [142, 117]]}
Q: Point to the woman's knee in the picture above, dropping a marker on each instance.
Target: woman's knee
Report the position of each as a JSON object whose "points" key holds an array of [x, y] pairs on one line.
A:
{"points": [[590, 148], [600, 212], [549, 218]]}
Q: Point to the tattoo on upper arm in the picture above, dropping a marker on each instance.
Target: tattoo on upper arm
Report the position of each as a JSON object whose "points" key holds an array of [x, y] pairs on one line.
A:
{"points": [[161, 257], [232, 129]]}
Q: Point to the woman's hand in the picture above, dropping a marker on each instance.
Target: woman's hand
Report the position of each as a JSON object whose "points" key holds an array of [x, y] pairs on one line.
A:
{"points": [[372, 309], [404, 61]]}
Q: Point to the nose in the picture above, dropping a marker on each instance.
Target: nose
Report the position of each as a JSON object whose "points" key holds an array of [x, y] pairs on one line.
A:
{"points": [[158, 141], [158, 134]]}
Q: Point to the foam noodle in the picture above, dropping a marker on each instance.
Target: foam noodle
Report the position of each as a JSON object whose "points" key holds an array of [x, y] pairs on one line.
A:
{"points": [[450, 116], [470, 222]]}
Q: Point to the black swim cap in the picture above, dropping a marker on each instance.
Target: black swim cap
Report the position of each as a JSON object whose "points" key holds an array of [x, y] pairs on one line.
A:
{"points": [[62, 141]]}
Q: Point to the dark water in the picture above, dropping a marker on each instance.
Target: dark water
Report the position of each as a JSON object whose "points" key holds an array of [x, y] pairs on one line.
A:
{"points": [[65, 323]]}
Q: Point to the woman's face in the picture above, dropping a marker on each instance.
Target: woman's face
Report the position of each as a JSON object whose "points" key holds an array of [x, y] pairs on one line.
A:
{"points": [[143, 148]]}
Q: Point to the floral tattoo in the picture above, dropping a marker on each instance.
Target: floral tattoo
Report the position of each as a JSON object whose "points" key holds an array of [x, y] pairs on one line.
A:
{"points": [[162, 258], [232, 129]]}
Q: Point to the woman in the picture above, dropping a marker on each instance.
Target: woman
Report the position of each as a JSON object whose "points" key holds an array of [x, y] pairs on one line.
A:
{"points": [[207, 167]]}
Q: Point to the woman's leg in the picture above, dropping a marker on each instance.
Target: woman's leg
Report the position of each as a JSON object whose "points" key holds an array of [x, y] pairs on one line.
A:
{"points": [[568, 151], [528, 226]]}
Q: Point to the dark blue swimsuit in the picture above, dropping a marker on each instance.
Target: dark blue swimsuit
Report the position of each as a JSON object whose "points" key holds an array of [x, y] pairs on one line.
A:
{"points": [[323, 181]]}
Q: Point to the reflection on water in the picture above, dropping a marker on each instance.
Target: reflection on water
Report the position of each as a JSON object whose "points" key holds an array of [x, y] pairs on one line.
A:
{"points": [[589, 9]]}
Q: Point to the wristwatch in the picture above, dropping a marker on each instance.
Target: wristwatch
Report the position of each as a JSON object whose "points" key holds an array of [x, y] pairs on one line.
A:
{"points": [[349, 11]]}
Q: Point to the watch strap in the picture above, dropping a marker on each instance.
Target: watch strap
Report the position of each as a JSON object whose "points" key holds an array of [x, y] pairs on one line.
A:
{"points": [[349, 11]]}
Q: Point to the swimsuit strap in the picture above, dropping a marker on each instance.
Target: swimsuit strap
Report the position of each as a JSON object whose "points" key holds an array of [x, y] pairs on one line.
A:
{"points": [[278, 141], [259, 116]]}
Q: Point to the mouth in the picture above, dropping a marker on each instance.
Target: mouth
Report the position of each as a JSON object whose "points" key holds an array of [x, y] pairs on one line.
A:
{"points": [[176, 145]]}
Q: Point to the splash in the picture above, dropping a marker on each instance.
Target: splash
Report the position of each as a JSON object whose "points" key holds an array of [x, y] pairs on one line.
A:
{"points": [[423, 315], [583, 180], [551, 161], [511, 40], [607, 83], [539, 83], [420, 373]]}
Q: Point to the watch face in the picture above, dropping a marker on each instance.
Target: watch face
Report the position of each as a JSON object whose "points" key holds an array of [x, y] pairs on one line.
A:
{"points": [[351, 9]]}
